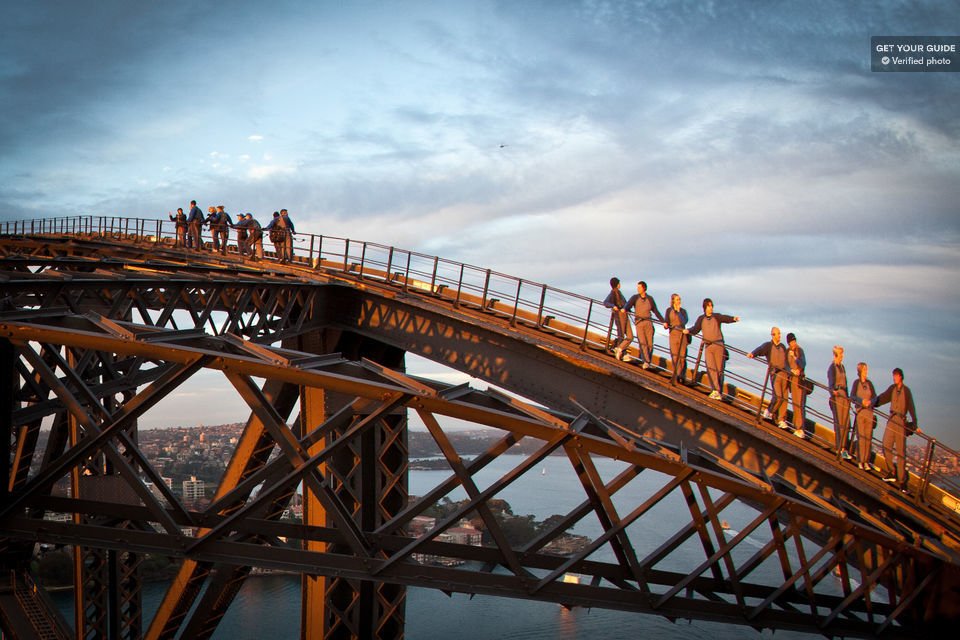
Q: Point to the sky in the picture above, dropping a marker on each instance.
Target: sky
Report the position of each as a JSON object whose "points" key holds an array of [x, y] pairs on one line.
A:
{"points": [[739, 150]]}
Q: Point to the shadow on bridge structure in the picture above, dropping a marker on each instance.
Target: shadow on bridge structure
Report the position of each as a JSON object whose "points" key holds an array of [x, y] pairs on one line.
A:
{"points": [[686, 507]]}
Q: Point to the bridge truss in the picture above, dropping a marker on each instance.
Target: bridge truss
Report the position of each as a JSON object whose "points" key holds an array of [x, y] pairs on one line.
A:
{"points": [[101, 332]]}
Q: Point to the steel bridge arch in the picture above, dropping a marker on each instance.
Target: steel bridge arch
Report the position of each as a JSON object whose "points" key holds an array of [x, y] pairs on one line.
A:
{"points": [[82, 361]]}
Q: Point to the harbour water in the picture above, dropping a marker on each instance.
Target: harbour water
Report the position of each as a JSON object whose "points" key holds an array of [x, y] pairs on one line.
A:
{"points": [[269, 605]]}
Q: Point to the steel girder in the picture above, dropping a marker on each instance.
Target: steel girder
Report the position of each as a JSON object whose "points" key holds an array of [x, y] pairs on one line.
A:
{"points": [[884, 579], [493, 345], [249, 310]]}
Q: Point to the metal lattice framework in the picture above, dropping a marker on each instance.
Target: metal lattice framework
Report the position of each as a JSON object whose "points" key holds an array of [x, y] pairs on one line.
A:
{"points": [[99, 333]]}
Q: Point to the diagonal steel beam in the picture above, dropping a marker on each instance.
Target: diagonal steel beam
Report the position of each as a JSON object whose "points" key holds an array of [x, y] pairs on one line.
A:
{"points": [[670, 545], [535, 458], [132, 409], [251, 453], [466, 480], [907, 600], [296, 454], [608, 534], [270, 473], [291, 475], [791, 580], [722, 552], [579, 512], [866, 585], [712, 515], [425, 502], [605, 510], [699, 519], [766, 551], [89, 423]]}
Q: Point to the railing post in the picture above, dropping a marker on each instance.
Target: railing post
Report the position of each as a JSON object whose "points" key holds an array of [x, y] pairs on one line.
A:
{"points": [[763, 392], [433, 278], [406, 274], [696, 366], [456, 303], [543, 299], [390, 266], [312, 239], [363, 259], [346, 256], [320, 251], [486, 287], [586, 327], [159, 231], [516, 303], [925, 474]]}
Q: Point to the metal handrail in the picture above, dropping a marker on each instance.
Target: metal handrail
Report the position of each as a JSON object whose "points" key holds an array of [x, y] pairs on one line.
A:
{"points": [[560, 312]]}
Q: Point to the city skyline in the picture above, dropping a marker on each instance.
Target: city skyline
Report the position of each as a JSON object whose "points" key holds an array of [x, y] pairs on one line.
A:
{"points": [[738, 151]]}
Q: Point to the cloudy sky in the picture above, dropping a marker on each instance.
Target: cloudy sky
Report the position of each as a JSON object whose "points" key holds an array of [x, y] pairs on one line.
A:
{"points": [[738, 150]]}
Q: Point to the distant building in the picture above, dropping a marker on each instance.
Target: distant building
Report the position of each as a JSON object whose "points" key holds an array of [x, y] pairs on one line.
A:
{"points": [[421, 525], [193, 490], [464, 534]]}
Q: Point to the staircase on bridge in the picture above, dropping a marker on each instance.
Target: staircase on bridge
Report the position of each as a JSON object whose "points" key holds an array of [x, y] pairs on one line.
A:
{"points": [[27, 611]]}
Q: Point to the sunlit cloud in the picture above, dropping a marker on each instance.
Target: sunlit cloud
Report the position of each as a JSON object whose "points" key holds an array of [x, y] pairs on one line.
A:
{"points": [[263, 171], [711, 149]]}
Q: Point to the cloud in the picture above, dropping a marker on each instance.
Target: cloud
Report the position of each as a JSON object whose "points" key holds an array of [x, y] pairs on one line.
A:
{"points": [[723, 149], [259, 172]]}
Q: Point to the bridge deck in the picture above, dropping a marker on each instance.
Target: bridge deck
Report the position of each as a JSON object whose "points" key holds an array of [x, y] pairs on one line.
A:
{"points": [[544, 357]]}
